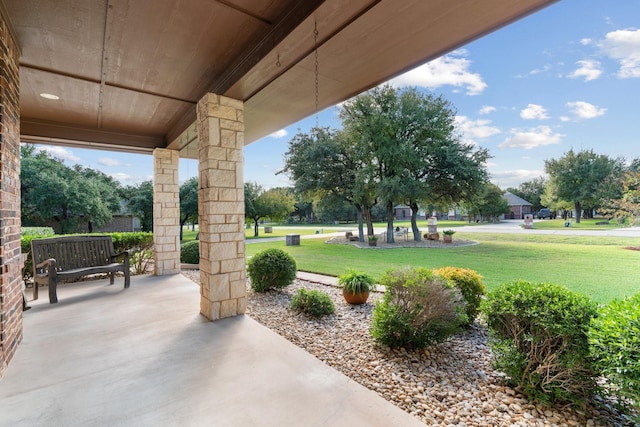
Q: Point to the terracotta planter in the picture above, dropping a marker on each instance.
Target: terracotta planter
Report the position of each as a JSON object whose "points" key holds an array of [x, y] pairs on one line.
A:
{"points": [[373, 243], [447, 238], [355, 299]]}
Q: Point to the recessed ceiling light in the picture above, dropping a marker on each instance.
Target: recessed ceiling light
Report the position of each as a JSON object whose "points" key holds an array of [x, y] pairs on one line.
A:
{"points": [[49, 96]]}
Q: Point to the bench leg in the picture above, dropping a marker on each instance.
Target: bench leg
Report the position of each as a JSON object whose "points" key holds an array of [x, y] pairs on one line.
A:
{"points": [[53, 287], [112, 277]]}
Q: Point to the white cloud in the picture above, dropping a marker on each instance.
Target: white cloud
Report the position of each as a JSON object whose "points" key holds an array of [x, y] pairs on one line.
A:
{"points": [[535, 71], [513, 178], [472, 129], [486, 109], [585, 110], [534, 112], [127, 179], [279, 134], [110, 162], [586, 41], [532, 138], [624, 46], [451, 69], [588, 68], [59, 153]]}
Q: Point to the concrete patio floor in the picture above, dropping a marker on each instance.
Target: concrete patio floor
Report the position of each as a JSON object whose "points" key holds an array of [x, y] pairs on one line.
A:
{"points": [[106, 356]]}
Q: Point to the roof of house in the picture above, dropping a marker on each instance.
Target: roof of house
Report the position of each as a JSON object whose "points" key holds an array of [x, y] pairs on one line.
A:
{"points": [[514, 200]]}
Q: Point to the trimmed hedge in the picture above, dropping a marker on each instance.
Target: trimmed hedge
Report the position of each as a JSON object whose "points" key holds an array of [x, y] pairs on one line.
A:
{"points": [[313, 303], [418, 308], [271, 269], [190, 252], [539, 339], [469, 282], [614, 337]]}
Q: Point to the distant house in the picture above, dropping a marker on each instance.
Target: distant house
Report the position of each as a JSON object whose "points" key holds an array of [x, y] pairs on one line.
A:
{"points": [[519, 206]]}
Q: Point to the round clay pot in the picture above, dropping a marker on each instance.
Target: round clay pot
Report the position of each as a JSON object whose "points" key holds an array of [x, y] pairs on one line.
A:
{"points": [[355, 299]]}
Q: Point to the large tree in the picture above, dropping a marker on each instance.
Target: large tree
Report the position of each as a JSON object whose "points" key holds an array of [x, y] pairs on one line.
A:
{"points": [[139, 200], [326, 164], [188, 202], [487, 204], [415, 154], [55, 193], [578, 177], [275, 203], [625, 204]]}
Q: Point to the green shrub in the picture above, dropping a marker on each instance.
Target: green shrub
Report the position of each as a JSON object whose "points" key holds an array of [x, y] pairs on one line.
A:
{"points": [[469, 282], [190, 252], [140, 246], [271, 269], [539, 339], [40, 232], [356, 282], [614, 337], [313, 303], [417, 309]]}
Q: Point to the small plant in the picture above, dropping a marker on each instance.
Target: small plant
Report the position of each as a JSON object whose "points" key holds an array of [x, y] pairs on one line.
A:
{"points": [[373, 238], [190, 252], [469, 282], [417, 309], [356, 282], [539, 339], [271, 269], [614, 337], [449, 232], [313, 302]]}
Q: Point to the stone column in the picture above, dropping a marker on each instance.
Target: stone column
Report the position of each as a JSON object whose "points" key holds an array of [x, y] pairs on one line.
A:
{"points": [[166, 211], [220, 123], [11, 258]]}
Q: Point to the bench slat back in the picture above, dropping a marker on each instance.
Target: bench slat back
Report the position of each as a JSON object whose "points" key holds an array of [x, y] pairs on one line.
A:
{"points": [[73, 251]]}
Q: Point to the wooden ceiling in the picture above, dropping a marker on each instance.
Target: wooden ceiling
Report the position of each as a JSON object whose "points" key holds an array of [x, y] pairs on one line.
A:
{"points": [[130, 72]]}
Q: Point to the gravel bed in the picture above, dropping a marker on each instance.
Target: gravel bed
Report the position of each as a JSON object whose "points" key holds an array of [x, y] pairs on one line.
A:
{"points": [[449, 384]]}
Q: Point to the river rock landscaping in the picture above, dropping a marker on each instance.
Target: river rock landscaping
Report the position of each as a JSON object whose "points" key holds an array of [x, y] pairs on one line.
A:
{"points": [[450, 383]]}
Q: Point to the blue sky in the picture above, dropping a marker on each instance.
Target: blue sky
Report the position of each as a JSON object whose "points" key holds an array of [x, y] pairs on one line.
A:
{"points": [[565, 77]]}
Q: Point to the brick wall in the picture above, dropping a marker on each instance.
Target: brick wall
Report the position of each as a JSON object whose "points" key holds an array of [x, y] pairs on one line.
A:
{"points": [[11, 260]]}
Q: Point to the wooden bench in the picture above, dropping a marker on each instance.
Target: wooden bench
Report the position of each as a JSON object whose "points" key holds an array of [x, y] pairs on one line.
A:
{"points": [[59, 259]]}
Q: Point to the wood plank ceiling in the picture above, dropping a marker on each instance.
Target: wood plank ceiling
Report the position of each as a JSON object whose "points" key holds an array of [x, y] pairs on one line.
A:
{"points": [[128, 73]]}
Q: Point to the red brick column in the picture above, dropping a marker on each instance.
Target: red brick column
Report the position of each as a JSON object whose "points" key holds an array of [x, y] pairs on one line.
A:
{"points": [[11, 260]]}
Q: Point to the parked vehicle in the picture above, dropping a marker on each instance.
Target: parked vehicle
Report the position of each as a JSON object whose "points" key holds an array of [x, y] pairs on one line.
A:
{"points": [[544, 213]]}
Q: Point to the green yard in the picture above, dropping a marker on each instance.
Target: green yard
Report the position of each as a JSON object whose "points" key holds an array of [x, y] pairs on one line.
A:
{"points": [[599, 267]]}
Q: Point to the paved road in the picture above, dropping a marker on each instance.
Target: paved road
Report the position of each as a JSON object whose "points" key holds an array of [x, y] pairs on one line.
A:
{"points": [[506, 226]]}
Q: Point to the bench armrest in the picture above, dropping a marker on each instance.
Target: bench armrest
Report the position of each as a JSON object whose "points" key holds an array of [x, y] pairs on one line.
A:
{"points": [[124, 254], [49, 263]]}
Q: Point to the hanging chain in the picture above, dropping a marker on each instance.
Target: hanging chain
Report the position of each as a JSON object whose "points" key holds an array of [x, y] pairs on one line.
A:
{"points": [[315, 38]]}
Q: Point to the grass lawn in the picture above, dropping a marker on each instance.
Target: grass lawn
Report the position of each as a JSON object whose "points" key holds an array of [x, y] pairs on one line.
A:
{"points": [[599, 267], [585, 224]]}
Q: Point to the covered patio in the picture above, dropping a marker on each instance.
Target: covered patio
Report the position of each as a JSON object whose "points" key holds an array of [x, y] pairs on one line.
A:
{"points": [[108, 356], [198, 79]]}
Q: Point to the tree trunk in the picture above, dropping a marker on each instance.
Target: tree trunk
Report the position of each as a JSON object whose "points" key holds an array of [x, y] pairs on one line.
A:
{"points": [[578, 212], [414, 224], [390, 238], [360, 225], [368, 220], [255, 227]]}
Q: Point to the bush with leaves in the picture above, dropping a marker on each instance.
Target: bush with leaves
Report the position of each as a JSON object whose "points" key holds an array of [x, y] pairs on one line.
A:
{"points": [[418, 308], [538, 335], [190, 252], [140, 246], [614, 337], [469, 282], [271, 269], [313, 302]]}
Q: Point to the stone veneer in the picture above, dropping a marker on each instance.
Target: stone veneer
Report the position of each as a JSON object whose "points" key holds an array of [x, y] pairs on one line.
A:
{"points": [[166, 211], [11, 259], [220, 123]]}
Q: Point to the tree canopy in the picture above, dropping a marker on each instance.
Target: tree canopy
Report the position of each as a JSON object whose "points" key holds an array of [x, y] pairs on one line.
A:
{"points": [[54, 192], [275, 203], [579, 178]]}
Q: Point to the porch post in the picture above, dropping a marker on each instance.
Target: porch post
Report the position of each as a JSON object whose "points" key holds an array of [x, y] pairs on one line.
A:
{"points": [[220, 123], [166, 211]]}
